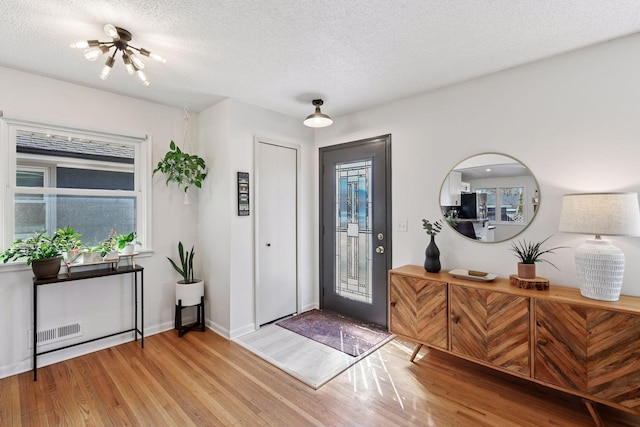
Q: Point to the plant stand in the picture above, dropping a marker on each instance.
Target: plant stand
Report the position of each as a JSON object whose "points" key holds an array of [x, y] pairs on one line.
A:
{"points": [[199, 323]]}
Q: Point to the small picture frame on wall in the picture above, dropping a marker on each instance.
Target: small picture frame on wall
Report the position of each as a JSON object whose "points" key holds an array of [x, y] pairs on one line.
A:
{"points": [[243, 193]]}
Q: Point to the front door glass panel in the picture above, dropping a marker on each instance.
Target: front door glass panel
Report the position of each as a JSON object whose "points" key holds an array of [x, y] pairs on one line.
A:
{"points": [[353, 231]]}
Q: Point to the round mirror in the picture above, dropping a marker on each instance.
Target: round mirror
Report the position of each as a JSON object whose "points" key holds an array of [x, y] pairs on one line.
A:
{"points": [[489, 197]]}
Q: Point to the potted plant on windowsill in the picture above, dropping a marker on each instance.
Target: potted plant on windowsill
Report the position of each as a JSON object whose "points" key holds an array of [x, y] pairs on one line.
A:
{"points": [[42, 253], [126, 243], [189, 290], [69, 243], [529, 253]]}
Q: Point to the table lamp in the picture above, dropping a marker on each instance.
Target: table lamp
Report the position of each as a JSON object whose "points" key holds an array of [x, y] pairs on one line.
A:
{"points": [[600, 264]]}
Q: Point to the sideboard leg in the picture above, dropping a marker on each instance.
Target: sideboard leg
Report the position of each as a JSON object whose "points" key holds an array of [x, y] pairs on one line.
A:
{"points": [[594, 412], [415, 351]]}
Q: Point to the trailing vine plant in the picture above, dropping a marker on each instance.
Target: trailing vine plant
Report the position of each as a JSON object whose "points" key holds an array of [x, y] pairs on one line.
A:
{"points": [[182, 168]]}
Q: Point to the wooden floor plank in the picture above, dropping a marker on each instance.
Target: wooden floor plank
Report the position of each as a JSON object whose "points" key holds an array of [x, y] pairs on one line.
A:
{"points": [[203, 379]]}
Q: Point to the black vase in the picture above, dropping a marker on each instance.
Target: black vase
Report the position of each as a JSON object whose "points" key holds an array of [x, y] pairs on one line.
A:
{"points": [[432, 257]]}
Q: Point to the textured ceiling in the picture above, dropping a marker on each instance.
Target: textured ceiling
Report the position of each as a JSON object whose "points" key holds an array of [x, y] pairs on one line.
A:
{"points": [[280, 54]]}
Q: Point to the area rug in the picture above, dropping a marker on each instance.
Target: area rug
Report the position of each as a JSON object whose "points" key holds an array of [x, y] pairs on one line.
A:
{"points": [[307, 360], [347, 335]]}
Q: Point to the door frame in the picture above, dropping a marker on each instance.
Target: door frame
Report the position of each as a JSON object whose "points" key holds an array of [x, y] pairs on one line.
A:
{"points": [[388, 199], [256, 211]]}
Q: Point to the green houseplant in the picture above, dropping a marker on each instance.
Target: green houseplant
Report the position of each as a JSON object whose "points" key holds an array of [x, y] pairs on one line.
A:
{"points": [[189, 289], [185, 269], [182, 168], [529, 253], [432, 253], [69, 243], [43, 253]]}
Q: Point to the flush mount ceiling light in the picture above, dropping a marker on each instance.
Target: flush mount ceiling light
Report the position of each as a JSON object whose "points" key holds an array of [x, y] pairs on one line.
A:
{"points": [[94, 49], [317, 119]]}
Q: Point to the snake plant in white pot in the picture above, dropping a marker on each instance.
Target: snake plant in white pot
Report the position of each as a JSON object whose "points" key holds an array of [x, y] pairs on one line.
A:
{"points": [[189, 290]]}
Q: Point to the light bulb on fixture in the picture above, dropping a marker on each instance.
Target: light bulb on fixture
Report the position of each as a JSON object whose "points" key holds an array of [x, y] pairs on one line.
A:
{"points": [[112, 32], [136, 61], [317, 119], [108, 65], [120, 41], [95, 52], [128, 65], [142, 77], [153, 56]]}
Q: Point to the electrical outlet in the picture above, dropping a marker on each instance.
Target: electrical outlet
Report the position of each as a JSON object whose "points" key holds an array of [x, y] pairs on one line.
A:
{"points": [[402, 225]]}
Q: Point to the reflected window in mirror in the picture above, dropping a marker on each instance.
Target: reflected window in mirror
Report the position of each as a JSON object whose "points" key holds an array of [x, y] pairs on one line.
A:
{"points": [[490, 197]]}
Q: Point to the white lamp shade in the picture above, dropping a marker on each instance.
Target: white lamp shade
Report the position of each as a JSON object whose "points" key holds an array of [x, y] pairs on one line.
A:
{"points": [[609, 214], [600, 264]]}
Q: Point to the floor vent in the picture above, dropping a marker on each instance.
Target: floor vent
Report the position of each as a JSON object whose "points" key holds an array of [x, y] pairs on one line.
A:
{"points": [[59, 333]]}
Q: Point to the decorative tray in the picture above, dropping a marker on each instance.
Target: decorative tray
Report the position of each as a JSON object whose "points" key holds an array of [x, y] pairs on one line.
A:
{"points": [[464, 274]]}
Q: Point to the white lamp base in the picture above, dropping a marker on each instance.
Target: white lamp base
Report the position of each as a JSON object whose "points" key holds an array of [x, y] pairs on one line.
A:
{"points": [[600, 267]]}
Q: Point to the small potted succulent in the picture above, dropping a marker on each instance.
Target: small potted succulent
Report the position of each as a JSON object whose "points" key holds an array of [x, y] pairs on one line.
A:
{"points": [[42, 253], [529, 253]]}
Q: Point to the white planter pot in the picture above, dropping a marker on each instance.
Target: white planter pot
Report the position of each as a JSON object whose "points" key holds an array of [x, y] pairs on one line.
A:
{"points": [[91, 257], [111, 256], [128, 250], [189, 293]]}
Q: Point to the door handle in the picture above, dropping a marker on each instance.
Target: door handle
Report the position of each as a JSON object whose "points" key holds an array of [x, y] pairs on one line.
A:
{"points": [[380, 249]]}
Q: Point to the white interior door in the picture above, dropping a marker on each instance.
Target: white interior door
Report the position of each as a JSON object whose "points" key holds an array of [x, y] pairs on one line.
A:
{"points": [[276, 217]]}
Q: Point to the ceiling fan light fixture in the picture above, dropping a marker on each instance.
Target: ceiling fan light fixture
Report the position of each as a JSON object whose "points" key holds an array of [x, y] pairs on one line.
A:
{"points": [[120, 39], [317, 119]]}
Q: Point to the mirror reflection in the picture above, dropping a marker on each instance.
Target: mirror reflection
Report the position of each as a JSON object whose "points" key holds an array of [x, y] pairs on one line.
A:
{"points": [[489, 197]]}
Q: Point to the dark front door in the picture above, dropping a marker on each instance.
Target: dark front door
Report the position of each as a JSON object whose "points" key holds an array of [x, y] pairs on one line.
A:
{"points": [[355, 231]]}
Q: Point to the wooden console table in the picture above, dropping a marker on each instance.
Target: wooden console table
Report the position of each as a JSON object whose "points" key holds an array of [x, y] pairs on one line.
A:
{"points": [[91, 274], [555, 337]]}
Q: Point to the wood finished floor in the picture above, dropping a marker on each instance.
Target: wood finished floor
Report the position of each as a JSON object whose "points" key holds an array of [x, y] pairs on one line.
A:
{"points": [[203, 379]]}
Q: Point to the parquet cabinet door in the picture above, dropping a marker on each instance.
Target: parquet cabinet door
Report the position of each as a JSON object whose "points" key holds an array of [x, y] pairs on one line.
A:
{"points": [[561, 344], [418, 309], [491, 326], [592, 350], [613, 357]]}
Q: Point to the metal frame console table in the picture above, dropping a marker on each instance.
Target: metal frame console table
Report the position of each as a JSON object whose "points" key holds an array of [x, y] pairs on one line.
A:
{"points": [[90, 274]]}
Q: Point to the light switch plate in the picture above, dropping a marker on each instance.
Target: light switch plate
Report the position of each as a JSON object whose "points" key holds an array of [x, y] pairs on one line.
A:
{"points": [[402, 225]]}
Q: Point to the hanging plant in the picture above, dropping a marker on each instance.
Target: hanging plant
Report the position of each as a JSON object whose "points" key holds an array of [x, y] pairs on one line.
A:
{"points": [[182, 168]]}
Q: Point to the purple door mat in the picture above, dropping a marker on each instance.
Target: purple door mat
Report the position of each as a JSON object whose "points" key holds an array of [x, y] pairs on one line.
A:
{"points": [[347, 335]]}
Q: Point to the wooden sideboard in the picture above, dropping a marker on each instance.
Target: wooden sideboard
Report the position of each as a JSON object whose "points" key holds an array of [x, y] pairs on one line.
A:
{"points": [[556, 337]]}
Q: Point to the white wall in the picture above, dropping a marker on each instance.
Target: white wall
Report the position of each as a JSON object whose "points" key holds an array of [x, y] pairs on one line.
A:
{"points": [[102, 304], [572, 119], [228, 131]]}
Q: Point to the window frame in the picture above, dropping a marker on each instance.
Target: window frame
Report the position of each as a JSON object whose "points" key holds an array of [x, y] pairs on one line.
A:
{"points": [[8, 158], [498, 206]]}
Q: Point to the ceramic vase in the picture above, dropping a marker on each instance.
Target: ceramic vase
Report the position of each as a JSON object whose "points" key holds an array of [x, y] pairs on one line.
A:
{"points": [[432, 257]]}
